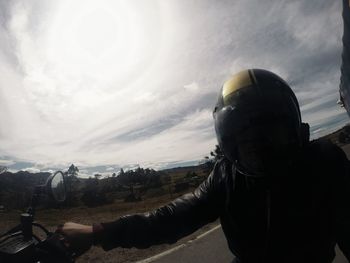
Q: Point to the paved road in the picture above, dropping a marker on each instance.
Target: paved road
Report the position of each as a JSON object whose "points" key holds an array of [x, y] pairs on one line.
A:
{"points": [[207, 249]]}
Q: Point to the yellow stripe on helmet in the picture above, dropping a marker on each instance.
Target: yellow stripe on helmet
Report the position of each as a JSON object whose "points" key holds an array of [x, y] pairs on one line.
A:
{"points": [[238, 81]]}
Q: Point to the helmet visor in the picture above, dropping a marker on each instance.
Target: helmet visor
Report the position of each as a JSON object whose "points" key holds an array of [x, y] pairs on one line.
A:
{"points": [[265, 148], [259, 142]]}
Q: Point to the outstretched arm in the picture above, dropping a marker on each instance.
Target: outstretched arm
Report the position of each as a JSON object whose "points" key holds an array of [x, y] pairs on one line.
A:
{"points": [[168, 223]]}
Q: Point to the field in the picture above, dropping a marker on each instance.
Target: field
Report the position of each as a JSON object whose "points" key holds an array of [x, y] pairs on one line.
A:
{"points": [[50, 218]]}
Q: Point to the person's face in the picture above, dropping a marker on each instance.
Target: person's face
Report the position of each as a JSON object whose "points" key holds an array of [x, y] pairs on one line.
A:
{"points": [[266, 147]]}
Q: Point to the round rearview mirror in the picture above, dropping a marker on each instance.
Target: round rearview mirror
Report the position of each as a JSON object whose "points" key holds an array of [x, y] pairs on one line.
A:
{"points": [[58, 187]]}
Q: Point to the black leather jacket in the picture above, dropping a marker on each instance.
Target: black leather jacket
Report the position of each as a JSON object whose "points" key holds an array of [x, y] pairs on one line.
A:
{"points": [[299, 216]]}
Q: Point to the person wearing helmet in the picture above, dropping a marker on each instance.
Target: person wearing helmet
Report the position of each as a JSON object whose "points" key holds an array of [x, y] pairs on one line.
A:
{"points": [[280, 197], [258, 122]]}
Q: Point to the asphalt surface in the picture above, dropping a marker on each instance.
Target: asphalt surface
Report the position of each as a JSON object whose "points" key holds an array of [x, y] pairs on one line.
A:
{"points": [[207, 249]]}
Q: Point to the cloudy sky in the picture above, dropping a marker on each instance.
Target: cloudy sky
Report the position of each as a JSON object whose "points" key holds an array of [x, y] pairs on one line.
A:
{"points": [[112, 84]]}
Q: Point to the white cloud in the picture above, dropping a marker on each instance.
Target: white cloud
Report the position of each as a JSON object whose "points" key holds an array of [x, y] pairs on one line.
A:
{"points": [[144, 95], [6, 162]]}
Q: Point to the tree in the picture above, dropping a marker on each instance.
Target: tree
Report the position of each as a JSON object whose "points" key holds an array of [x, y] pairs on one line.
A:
{"points": [[73, 170], [216, 155], [71, 182], [98, 176], [93, 195], [190, 175]]}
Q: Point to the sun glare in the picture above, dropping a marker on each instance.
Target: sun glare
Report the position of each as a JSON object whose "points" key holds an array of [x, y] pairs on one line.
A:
{"points": [[104, 42]]}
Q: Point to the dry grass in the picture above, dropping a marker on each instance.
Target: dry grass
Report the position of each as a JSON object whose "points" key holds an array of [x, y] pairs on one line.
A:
{"points": [[50, 218]]}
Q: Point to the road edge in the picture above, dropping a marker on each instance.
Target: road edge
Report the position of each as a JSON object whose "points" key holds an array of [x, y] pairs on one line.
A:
{"points": [[169, 251]]}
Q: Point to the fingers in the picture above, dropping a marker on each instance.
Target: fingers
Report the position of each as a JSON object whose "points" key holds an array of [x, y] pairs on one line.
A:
{"points": [[61, 234], [64, 240], [77, 238]]}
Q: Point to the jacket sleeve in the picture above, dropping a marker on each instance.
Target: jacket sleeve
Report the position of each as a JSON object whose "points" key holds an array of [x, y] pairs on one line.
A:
{"points": [[168, 223], [342, 201]]}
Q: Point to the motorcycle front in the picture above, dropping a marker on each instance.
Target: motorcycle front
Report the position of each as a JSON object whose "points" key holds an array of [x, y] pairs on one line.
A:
{"points": [[21, 244]]}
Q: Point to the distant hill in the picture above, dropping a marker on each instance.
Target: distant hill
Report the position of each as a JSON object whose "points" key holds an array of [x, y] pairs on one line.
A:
{"points": [[16, 188], [196, 168]]}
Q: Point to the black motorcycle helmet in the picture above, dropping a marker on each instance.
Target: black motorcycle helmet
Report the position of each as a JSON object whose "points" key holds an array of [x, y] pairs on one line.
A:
{"points": [[258, 123]]}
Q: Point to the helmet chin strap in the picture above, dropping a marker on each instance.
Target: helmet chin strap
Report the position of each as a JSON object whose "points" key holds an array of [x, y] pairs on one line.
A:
{"points": [[249, 174], [241, 170]]}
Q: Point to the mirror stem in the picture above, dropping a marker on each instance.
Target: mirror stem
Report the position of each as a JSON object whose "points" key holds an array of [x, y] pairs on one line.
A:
{"points": [[38, 190]]}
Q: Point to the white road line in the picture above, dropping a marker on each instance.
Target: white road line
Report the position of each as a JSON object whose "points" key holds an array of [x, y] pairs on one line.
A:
{"points": [[167, 252], [208, 232]]}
